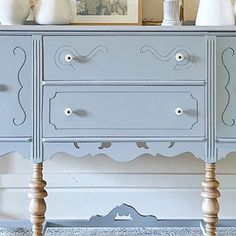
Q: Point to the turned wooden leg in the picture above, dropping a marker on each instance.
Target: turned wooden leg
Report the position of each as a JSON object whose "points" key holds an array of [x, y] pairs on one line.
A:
{"points": [[210, 206], [37, 207]]}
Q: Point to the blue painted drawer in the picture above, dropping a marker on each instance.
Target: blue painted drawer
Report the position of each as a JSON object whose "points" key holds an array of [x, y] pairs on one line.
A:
{"points": [[15, 86], [123, 111], [122, 58]]}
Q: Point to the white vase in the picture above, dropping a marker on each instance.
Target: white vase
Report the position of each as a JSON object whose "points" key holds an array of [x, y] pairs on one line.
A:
{"points": [[14, 12], [53, 12], [171, 13], [215, 13]]}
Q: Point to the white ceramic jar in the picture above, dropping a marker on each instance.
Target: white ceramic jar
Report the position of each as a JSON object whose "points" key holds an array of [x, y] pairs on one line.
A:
{"points": [[215, 13], [14, 12], [171, 13], [53, 12]]}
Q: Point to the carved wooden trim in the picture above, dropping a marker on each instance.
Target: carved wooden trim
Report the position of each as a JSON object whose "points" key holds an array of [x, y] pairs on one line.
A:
{"points": [[227, 123], [184, 65], [16, 51], [210, 206], [123, 215], [123, 151], [37, 207], [60, 54]]}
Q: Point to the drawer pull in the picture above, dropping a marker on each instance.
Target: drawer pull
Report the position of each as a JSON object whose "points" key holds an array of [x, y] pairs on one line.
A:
{"points": [[68, 111], [179, 111], [179, 57], [68, 58]]}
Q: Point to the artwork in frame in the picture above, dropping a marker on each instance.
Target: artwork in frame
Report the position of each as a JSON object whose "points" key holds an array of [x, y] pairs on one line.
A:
{"points": [[107, 11]]}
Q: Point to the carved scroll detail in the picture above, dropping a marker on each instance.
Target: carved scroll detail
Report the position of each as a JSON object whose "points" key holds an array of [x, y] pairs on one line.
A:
{"points": [[16, 51], [226, 123], [59, 57], [121, 214], [183, 65]]}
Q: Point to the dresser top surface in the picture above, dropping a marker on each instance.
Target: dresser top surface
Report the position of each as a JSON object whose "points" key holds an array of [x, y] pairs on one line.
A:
{"points": [[102, 28]]}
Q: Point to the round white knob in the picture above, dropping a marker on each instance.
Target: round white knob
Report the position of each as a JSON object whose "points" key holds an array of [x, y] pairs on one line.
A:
{"points": [[179, 57], [68, 111], [179, 111], [69, 58]]}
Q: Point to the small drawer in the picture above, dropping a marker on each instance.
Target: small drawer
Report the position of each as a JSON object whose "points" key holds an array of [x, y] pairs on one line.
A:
{"points": [[119, 111], [124, 58]]}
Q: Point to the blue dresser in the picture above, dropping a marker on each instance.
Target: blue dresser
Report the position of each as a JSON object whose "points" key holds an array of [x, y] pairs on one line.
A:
{"points": [[122, 91]]}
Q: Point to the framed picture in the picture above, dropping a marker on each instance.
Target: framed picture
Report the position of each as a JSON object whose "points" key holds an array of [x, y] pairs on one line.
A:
{"points": [[107, 12]]}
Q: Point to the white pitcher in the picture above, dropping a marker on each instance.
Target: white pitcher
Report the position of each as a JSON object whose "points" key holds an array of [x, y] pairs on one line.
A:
{"points": [[53, 12], [215, 13], [14, 12]]}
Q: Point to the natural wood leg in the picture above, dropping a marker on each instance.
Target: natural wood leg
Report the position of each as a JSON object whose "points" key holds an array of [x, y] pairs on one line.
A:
{"points": [[37, 207], [210, 206]]}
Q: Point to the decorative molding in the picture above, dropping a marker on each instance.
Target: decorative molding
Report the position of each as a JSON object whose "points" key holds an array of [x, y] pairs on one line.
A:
{"points": [[60, 54], [37, 61], [182, 65], [227, 123], [123, 151], [58, 93], [122, 214], [211, 151], [17, 50]]}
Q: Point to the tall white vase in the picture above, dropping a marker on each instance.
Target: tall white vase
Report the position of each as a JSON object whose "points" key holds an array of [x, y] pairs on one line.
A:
{"points": [[14, 12], [56, 12], [215, 13], [171, 13]]}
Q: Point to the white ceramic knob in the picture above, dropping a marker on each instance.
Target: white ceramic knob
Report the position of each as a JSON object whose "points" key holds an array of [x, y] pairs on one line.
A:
{"points": [[68, 58], [179, 111], [68, 111], [179, 57]]}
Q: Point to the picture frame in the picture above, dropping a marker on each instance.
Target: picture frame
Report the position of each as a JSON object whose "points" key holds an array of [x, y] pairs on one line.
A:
{"points": [[116, 12]]}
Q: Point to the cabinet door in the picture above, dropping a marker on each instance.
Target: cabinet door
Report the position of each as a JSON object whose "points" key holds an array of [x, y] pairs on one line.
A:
{"points": [[15, 86], [226, 87]]}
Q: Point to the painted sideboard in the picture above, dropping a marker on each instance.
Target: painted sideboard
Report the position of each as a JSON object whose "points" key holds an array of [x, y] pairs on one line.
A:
{"points": [[122, 91]]}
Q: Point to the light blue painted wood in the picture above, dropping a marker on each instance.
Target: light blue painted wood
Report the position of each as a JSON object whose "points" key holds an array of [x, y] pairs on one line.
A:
{"points": [[15, 86], [123, 111], [121, 91], [124, 86], [129, 58]]}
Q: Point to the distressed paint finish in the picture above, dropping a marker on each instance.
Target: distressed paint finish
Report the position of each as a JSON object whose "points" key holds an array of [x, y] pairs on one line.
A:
{"points": [[122, 91]]}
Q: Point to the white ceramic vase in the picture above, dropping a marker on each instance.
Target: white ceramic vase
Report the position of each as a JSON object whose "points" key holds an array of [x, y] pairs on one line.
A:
{"points": [[14, 12], [171, 13], [53, 12], [215, 13]]}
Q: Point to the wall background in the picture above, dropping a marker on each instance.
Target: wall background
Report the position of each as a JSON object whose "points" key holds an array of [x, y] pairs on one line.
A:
{"points": [[153, 9], [80, 188]]}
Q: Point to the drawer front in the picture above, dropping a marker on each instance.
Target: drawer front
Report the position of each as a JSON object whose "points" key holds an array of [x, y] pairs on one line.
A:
{"points": [[119, 58], [123, 111]]}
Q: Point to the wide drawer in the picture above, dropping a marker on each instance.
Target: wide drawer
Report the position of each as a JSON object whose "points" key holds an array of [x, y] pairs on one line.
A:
{"points": [[122, 58], [119, 111]]}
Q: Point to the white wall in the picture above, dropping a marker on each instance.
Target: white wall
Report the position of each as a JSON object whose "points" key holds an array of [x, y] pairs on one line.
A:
{"points": [[80, 188]]}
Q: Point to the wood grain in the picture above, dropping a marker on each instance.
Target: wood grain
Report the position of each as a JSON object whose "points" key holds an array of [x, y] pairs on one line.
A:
{"points": [[37, 207]]}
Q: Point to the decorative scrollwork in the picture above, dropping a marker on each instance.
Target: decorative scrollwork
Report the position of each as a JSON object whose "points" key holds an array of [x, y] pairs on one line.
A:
{"points": [[232, 123], [172, 144], [64, 50], [179, 65], [123, 213], [18, 50]]}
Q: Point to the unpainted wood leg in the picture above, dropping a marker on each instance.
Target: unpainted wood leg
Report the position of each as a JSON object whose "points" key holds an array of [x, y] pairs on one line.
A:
{"points": [[37, 206], [210, 206]]}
